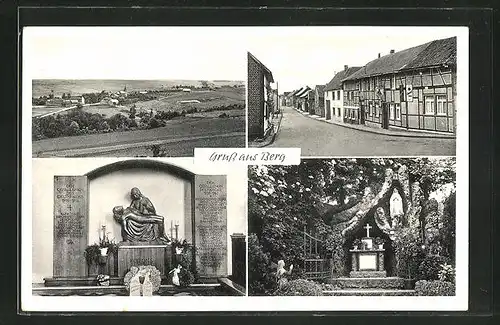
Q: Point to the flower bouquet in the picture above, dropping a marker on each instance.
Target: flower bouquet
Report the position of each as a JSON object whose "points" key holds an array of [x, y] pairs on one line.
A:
{"points": [[154, 275], [98, 253], [103, 280], [379, 242], [356, 244]]}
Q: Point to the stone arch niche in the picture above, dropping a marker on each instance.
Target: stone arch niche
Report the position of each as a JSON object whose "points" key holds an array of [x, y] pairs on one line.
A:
{"points": [[196, 202], [365, 212]]}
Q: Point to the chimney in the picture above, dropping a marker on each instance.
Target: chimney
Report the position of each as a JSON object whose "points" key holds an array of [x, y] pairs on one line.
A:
{"points": [[392, 51], [379, 55], [345, 67]]}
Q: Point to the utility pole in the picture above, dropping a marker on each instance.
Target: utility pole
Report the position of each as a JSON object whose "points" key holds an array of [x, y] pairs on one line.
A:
{"points": [[278, 99]]}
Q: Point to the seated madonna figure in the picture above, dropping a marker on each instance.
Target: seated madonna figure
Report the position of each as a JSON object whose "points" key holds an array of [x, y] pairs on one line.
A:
{"points": [[138, 227]]}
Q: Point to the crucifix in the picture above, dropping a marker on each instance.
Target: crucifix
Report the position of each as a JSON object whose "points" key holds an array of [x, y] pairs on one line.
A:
{"points": [[176, 231], [368, 227]]}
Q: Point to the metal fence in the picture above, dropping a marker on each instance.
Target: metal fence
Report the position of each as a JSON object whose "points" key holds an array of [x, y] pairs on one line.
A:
{"points": [[316, 265]]}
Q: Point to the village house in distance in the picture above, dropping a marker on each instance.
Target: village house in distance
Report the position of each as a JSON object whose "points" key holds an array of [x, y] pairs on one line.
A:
{"points": [[406, 97]]}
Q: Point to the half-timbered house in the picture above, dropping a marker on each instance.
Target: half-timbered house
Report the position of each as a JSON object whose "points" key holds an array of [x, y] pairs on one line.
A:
{"points": [[413, 89]]}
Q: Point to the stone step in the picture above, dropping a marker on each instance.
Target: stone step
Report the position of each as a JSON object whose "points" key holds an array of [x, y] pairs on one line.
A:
{"points": [[369, 292], [365, 283], [119, 290]]}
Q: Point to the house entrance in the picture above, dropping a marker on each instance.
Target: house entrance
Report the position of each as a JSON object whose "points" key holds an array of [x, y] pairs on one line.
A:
{"points": [[328, 111], [362, 114], [385, 116]]}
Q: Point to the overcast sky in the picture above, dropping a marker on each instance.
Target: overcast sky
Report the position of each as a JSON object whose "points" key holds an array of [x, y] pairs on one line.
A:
{"points": [[297, 56]]}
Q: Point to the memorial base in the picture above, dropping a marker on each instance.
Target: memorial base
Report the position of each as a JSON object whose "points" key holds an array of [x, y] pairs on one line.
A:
{"points": [[156, 255]]}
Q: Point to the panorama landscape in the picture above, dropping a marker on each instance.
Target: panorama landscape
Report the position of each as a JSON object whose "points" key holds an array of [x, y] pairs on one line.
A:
{"points": [[135, 118]]}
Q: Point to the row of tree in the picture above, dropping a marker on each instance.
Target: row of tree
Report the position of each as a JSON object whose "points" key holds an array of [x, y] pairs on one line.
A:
{"points": [[285, 199]]}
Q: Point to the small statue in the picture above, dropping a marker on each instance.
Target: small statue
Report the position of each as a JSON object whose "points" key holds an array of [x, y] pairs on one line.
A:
{"points": [[147, 286], [382, 223], [396, 207], [282, 273], [175, 276], [135, 286]]}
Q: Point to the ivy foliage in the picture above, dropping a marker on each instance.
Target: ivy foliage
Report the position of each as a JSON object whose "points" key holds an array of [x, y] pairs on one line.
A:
{"points": [[286, 200]]}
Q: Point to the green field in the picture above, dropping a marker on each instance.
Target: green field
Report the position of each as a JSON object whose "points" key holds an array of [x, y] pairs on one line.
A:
{"points": [[208, 99]]}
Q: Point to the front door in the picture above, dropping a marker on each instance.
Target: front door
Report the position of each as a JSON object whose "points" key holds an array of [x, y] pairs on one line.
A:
{"points": [[362, 114], [328, 112], [385, 116]]}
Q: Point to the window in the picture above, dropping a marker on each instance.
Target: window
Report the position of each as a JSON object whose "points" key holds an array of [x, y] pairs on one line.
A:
{"points": [[398, 111], [393, 82], [377, 109], [338, 94], [391, 111], [370, 107], [440, 105], [429, 105]]}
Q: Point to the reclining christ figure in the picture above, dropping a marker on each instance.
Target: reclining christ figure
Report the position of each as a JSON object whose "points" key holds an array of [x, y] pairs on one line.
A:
{"points": [[137, 227]]}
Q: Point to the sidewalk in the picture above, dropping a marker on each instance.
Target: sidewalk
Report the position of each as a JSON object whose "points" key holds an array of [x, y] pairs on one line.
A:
{"points": [[263, 142], [395, 133]]}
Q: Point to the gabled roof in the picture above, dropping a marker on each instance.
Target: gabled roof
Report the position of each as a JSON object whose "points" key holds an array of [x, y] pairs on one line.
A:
{"points": [[305, 94], [336, 82], [267, 72], [430, 54], [320, 88], [439, 52], [303, 90]]}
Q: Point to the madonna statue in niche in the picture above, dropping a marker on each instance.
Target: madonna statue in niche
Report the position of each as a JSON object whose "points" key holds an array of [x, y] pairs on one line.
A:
{"points": [[139, 221]]}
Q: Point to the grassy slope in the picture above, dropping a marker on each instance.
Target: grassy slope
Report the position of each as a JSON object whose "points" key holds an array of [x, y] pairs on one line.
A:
{"points": [[183, 127]]}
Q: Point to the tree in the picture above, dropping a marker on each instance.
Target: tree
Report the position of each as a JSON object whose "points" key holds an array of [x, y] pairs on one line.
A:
{"points": [[133, 111], [447, 229], [73, 128]]}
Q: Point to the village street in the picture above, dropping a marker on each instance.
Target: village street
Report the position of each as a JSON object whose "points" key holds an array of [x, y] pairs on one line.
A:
{"points": [[319, 138]]}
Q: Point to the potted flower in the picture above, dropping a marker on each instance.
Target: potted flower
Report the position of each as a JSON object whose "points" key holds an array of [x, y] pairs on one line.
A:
{"points": [[98, 253], [379, 242], [356, 244], [182, 252]]}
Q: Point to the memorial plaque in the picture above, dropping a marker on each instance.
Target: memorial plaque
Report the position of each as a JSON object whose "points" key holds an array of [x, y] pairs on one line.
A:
{"points": [[158, 256], [210, 226], [70, 225]]}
